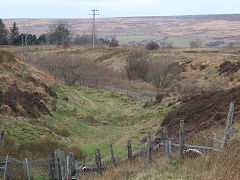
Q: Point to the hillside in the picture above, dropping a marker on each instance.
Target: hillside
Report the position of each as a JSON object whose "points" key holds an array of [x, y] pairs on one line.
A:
{"points": [[77, 118], [82, 118], [176, 29]]}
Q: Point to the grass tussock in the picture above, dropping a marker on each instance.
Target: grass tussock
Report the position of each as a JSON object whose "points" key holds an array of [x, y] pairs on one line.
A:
{"points": [[213, 166], [6, 57], [36, 149]]}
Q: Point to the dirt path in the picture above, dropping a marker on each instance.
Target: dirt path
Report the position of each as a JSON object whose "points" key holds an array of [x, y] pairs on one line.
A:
{"points": [[132, 93]]}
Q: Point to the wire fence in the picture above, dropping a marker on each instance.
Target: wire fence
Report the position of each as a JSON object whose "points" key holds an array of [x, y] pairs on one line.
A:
{"points": [[17, 169], [63, 166]]}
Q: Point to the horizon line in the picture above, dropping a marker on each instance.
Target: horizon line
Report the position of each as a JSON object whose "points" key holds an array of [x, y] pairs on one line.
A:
{"points": [[147, 16]]}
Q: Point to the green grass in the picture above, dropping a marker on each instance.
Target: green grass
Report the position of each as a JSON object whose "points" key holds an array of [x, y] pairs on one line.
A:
{"points": [[91, 119], [177, 41]]}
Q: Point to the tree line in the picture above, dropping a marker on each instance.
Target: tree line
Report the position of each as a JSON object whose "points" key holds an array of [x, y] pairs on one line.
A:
{"points": [[58, 34]]}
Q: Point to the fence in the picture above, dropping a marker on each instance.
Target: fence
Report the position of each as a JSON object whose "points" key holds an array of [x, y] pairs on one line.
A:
{"points": [[61, 166]]}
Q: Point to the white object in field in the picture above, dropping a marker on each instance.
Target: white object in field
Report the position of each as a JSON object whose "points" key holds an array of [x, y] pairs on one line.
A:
{"points": [[192, 153]]}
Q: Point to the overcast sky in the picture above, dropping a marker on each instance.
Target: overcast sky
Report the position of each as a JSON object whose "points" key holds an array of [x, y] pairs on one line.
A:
{"points": [[114, 8]]}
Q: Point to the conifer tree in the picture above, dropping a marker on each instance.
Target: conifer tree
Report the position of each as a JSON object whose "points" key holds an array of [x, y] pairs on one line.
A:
{"points": [[14, 35], [3, 33]]}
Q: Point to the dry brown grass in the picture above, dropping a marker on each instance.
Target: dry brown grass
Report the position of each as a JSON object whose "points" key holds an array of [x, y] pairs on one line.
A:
{"points": [[36, 149]]}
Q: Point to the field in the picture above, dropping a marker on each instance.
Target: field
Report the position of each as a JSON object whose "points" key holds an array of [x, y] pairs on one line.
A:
{"points": [[87, 118], [175, 29]]}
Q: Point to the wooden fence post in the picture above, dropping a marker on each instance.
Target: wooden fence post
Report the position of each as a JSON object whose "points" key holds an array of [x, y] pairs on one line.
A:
{"points": [[112, 156], [181, 139], [5, 168], [2, 138], [129, 149], [28, 173], [167, 148], [228, 125], [72, 171], [68, 171], [59, 169], [165, 134], [98, 161], [83, 162], [170, 146], [149, 148], [76, 166], [57, 165]]}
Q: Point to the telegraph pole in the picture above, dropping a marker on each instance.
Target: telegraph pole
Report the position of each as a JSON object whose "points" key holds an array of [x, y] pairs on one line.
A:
{"points": [[94, 27]]}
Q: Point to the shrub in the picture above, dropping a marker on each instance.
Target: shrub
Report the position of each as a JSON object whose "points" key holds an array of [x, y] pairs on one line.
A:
{"points": [[164, 73], [75, 70], [195, 43], [152, 46], [137, 65], [114, 42]]}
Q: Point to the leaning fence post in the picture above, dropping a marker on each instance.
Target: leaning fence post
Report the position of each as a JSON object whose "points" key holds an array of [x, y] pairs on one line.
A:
{"points": [[129, 149], [228, 125], [181, 139], [76, 166], [2, 138], [112, 156], [28, 173], [98, 161], [149, 148]]}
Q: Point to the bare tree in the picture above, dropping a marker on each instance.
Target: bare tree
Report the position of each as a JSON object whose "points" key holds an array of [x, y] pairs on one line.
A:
{"points": [[164, 73], [137, 65], [197, 43], [75, 69]]}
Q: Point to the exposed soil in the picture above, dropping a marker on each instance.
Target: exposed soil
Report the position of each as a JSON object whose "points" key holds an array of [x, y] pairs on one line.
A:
{"points": [[203, 111], [228, 67], [36, 83], [23, 103]]}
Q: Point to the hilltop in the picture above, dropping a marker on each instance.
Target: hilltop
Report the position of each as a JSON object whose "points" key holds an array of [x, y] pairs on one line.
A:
{"points": [[176, 29]]}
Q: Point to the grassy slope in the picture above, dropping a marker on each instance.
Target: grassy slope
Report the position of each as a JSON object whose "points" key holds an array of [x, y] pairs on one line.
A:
{"points": [[94, 118], [90, 119]]}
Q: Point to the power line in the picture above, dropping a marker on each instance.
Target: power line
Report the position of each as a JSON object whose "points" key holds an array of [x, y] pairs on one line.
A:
{"points": [[94, 26]]}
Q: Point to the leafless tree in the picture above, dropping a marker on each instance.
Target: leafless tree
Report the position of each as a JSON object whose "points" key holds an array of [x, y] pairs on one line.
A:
{"points": [[137, 65], [164, 73], [197, 43]]}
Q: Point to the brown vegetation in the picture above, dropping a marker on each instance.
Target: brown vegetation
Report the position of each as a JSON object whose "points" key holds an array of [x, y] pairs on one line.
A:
{"points": [[23, 103], [23, 90], [203, 111], [75, 70], [164, 73], [137, 65], [228, 67], [152, 46], [35, 149]]}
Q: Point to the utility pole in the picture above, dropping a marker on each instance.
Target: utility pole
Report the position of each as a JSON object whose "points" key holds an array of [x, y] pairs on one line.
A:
{"points": [[94, 27]]}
